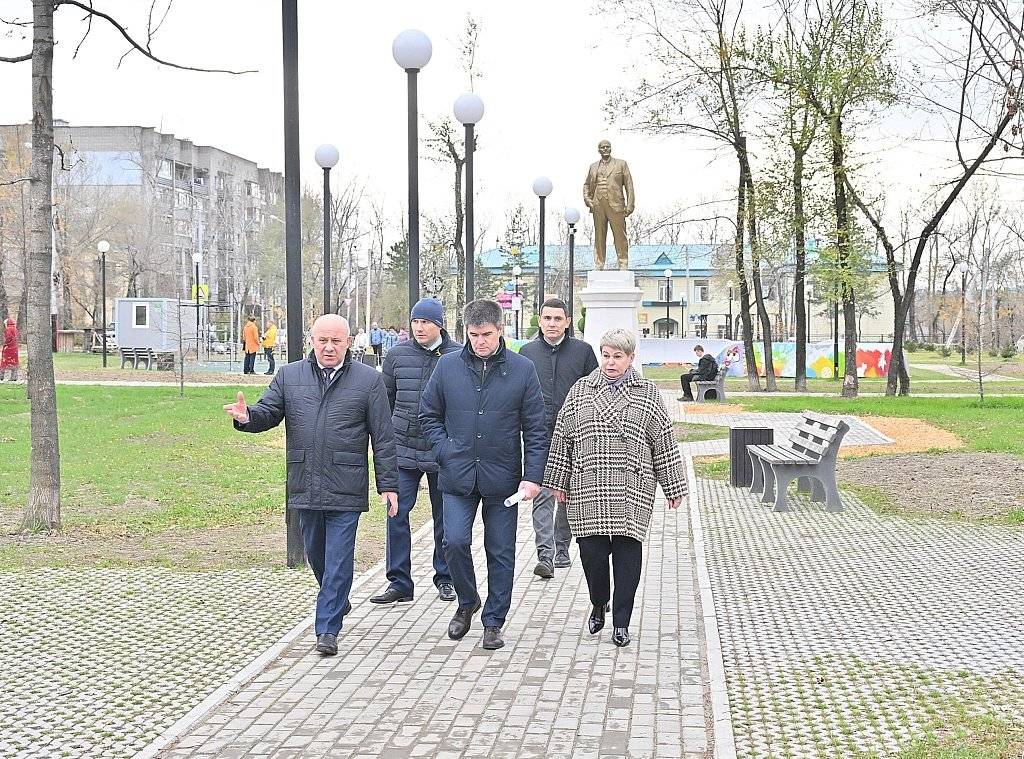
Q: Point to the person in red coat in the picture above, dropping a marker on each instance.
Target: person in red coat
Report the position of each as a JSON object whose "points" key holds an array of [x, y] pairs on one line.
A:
{"points": [[9, 356]]}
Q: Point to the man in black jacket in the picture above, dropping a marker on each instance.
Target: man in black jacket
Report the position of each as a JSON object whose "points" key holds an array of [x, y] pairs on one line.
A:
{"points": [[707, 370], [407, 368], [332, 407], [560, 360]]}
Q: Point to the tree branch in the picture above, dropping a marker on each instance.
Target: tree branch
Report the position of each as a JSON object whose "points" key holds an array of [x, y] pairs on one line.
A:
{"points": [[124, 33], [16, 58]]}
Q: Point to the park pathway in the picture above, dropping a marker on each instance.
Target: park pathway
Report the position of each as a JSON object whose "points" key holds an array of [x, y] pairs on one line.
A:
{"points": [[399, 687]]}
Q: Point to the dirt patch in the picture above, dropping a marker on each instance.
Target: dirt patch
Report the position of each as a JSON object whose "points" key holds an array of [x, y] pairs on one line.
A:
{"points": [[712, 408], [969, 484], [141, 375], [910, 436]]}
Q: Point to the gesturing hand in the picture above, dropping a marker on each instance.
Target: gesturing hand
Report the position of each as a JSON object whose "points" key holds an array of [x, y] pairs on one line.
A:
{"points": [[391, 499], [559, 495], [238, 410], [675, 502]]}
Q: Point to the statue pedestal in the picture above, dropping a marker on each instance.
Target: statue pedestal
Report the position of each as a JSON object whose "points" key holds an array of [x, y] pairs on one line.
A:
{"points": [[612, 300]]}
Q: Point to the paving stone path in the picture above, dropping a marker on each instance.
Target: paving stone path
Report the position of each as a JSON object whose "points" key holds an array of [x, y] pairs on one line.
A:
{"points": [[851, 632], [399, 687], [99, 662]]}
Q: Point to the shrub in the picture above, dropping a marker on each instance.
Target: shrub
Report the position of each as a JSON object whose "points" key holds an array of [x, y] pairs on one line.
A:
{"points": [[910, 346], [1008, 352], [534, 327], [946, 351], [929, 347], [993, 352], [583, 321]]}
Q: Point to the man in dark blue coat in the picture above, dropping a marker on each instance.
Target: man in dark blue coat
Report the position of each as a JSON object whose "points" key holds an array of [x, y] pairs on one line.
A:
{"points": [[407, 368], [332, 408], [483, 412]]}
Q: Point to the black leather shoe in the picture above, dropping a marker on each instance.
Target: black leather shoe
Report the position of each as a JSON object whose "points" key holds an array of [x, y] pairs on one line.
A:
{"points": [[620, 636], [446, 591], [492, 639], [685, 399], [462, 621], [391, 596], [327, 644], [596, 621], [562, 560], [347, 610], [545, 570]]}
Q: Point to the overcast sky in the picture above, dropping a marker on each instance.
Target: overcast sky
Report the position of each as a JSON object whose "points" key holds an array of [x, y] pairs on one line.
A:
{"points": [[547, 68]]}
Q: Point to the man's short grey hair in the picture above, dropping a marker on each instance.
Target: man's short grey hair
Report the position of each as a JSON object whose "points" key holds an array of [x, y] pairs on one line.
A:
{"points": [[619, 339], [481, 312]]}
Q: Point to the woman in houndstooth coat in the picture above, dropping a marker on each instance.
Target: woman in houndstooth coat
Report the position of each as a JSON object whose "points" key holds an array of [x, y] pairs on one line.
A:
{"points": [[613, 443]]}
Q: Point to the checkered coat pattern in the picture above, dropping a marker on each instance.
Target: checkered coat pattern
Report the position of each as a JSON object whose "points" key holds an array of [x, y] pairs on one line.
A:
{"points": [[609, 450]]}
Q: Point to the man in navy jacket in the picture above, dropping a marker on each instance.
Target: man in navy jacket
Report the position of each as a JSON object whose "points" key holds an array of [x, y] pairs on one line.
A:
{"points": [[483, 413]]}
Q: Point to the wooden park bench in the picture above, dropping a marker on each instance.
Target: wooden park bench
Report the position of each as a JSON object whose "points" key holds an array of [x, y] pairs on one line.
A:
{"points": [[808, 456]]}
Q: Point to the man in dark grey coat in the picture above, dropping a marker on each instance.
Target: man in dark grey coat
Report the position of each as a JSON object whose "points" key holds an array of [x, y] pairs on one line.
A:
{"points": [[407, 368], [560, 360], [707, 370], [332, 408]]}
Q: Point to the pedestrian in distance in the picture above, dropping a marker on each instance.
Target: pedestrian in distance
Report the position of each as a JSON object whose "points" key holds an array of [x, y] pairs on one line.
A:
{"points": [[407, 368], [560, 361], [483, 413], [377, 341], [612, 445], [706, 371], [9, 354], [332, 407], [250, 344], [269, 343]]}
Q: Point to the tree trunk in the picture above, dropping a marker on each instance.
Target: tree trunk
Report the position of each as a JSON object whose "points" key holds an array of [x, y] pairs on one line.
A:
{"points": [[753, 381], [755, 274], [42, 511], [799, 301], [843, 260]]}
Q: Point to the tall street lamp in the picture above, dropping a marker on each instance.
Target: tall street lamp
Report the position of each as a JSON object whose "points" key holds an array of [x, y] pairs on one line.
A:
{"points": [[668, 300], [517, 304], [572, 218], [412, 50], [327, 158], [103, 246], [728, 324], [541, 188], [469, 109], [835, 336], [197, 259], [963, 311]]}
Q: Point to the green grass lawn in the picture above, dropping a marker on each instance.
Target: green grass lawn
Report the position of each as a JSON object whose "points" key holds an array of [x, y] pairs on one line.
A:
{"points": [[689, 432], [997, 425], [153, 478]]}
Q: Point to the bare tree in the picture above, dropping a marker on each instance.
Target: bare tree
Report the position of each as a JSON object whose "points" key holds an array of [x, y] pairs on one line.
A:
{"points": [[704, 87], [42, 511], [987, 61]]}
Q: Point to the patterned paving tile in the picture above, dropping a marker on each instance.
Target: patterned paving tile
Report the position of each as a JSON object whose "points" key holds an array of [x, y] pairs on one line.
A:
{"points": [[850, 632]]}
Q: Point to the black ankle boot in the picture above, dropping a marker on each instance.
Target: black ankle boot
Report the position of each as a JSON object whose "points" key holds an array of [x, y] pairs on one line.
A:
{"points": [[620, 636], [596, 621]]}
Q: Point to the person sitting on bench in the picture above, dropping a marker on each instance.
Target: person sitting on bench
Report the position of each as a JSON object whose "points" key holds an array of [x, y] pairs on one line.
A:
{"points": [[707, 370]]}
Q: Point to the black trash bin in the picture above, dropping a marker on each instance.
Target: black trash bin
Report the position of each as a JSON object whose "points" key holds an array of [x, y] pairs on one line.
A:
{"points": [[741, 471]]}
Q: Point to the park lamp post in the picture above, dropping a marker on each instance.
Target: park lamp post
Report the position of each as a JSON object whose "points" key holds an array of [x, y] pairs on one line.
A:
{"points": [[327, 158], [469, 109], [668, 300], [963, 311], [103, 247], [517, 304], [197, 259], [412, 50], [728, 324], [541, 188], [572, 218]]}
